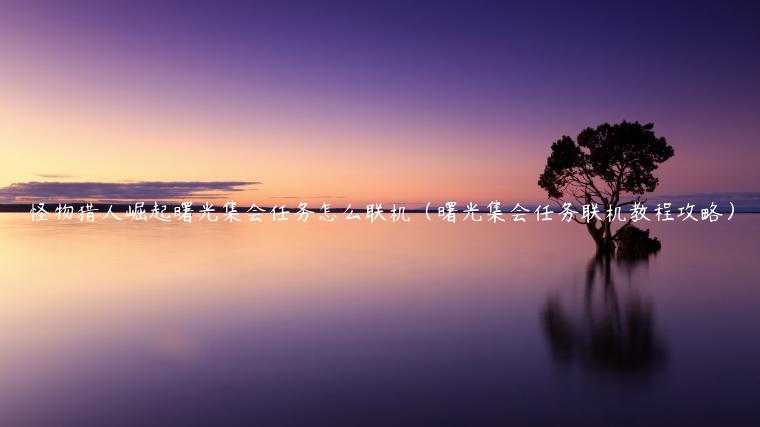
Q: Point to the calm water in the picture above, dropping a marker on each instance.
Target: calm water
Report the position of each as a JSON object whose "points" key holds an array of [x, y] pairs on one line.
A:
{"points": [[422, 323]]}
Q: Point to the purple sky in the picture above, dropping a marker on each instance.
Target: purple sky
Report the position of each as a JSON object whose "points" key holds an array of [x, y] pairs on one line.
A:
{"points": [[462, 79]]}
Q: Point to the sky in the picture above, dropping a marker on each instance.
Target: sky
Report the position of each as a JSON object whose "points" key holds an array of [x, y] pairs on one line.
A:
{"points": [[364, 102]]}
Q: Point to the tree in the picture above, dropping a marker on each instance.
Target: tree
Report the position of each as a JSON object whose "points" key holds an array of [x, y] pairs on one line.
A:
{"points": [[610, 166]]}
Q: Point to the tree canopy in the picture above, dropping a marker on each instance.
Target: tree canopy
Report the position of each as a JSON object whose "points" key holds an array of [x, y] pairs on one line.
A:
{"points": [[609, 166]]}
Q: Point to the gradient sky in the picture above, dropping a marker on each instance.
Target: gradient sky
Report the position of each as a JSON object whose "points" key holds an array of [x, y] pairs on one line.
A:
{"points": [[392, 102]]}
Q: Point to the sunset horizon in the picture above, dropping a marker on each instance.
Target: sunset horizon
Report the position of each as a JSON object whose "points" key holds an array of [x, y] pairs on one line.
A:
{"points": [[379, 213]]}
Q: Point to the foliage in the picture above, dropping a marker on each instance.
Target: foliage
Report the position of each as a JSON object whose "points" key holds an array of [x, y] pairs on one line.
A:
{"points": [[609, 166], [635, 243]]}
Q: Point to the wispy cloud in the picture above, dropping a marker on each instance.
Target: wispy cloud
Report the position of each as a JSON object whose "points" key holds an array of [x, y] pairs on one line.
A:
{"points": [[120, 191], [56, 176]]}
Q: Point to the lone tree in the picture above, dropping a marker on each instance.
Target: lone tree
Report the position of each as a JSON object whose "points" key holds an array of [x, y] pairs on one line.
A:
{"points": [[610, 166]]}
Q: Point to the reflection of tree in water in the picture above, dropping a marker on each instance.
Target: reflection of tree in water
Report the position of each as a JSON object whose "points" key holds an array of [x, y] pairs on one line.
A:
{"points": [[611, 333]]}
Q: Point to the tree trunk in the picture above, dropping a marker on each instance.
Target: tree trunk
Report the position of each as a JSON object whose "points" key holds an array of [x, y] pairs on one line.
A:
{"points": [[602, 236], [609, 244]]}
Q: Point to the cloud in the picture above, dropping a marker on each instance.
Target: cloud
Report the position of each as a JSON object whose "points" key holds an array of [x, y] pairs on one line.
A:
{"points": [[120, 191], [56, 175]]}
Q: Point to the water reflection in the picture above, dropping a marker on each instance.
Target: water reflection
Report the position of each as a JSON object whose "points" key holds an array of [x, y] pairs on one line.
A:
{"points": [[374, 324], [614, 330]]}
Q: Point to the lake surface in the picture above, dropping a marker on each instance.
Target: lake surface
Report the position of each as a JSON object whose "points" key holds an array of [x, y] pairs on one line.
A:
{"points": [[419, 323]]}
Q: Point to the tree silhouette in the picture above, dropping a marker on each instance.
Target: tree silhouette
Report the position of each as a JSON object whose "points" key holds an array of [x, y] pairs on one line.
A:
{"points": [[610, 166]]}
